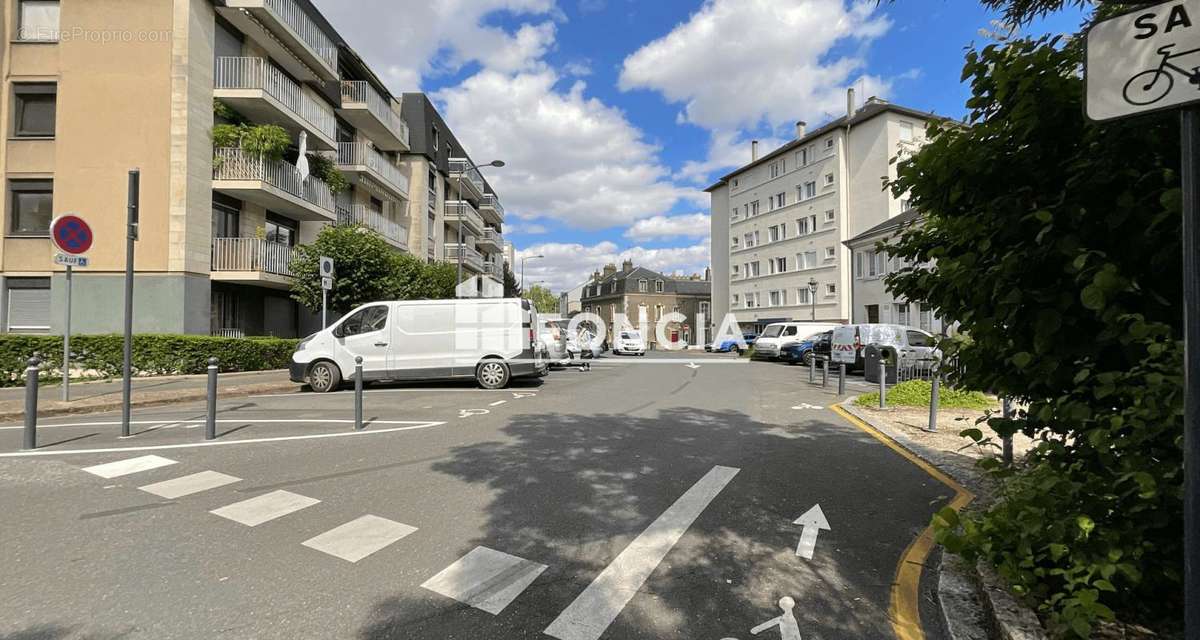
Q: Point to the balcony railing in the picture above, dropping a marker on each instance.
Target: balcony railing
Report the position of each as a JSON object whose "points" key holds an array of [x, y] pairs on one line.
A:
{"points": [[461, 167], [237, 164], [251, 254], [363, 154], [469, 255], [260, 74], [492, 201], [493, 269], [290, 13], [461, 209], [374, 220], [361, 91], [491, 235]]}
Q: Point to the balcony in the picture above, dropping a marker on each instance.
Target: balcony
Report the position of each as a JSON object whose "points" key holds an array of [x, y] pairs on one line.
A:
{"points": [[372, 114], [471, 259], [288, 34], [494, 270], [252, 261], [457, 210], [466, 179], [391, 230], [358, 158], [490, 240], [490, 209], [274, 185], [260, 91]]}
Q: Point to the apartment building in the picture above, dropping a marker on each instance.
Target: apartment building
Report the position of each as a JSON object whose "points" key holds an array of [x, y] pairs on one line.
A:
{"points": [[872, 301], [779, 222], [645, 296], [93, 88], [457, 216]]}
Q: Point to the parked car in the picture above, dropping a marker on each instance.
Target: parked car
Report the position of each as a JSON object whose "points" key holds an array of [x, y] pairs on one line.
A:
{"points": [[804, 351], [490, 340], [911, 344], [729, 344], [581, 345], [629, 342], [778, 335], [555, 339]]}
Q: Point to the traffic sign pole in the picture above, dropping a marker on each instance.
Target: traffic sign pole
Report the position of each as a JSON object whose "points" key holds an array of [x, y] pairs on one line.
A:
{"points": [[131, 236], [73, 238], [66, 366], [1190, 167]]}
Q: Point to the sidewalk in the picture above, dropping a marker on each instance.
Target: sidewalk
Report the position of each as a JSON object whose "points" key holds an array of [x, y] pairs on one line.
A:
{"points": [[90, 397]]}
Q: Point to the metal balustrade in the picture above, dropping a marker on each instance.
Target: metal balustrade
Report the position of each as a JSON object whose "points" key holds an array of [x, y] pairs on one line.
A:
{"points": [[375, 220], [361, 92], [290, 13], [260, 74], [492, 201], [491, 235], [363, 154], [461, 168], [251, 254], [236, 164], [469, 255], [461, 209]]}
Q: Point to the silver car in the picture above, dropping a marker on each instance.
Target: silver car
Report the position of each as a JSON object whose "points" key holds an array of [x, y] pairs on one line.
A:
{"points": [[555, 340]]}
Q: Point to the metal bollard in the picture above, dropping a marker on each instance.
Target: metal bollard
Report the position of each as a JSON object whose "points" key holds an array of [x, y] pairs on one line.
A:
{"points": [[812, 369], [842, 379], [824, 372], [358, 393], [934, 400], [210, 423], [882, 384], [31, 397], [1007, 440]]}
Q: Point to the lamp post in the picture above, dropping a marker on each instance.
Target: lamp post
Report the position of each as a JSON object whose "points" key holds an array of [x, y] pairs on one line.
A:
{"points": [[523, 259], [812, 296], [461, 244]]}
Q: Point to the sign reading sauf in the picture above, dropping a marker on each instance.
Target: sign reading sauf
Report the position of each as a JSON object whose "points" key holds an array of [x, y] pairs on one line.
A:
{"points": [[1145, 60]]}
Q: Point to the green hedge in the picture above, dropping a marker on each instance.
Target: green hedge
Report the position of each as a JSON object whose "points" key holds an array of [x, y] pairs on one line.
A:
{"points": [[916, 393], [152, 354]]}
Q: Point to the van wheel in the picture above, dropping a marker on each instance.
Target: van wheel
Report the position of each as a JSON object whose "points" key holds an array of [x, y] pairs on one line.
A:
{"points": [[492, 374], [324, 377]]}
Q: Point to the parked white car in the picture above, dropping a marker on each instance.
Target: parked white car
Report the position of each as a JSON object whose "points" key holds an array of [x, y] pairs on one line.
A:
{"points": [[629, 342], [912, 345], [491, 340], [775, 337]]}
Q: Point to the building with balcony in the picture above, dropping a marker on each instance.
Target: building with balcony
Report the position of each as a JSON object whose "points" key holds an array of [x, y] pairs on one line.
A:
{"points": [[780, 223], [219, 226]]}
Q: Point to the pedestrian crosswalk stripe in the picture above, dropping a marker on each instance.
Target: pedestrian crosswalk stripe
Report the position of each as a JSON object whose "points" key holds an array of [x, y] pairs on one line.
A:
{"points": [[126, 467], [485, 579], [265, 508], [187, 485], [359, 538]]}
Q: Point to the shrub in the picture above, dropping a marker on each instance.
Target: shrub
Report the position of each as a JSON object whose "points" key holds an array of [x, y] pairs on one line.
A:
{"points": [[916, 393], [152, 354]]}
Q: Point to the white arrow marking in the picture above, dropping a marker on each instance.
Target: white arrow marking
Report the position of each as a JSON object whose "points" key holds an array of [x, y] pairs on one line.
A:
{"points": [[805, 405], [497, 403], [518, 395], [693, 365], [467, 413], [813, 522]]}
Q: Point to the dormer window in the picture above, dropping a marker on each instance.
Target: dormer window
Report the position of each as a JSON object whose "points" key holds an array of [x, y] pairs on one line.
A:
{"points": [[658, 286], [643, 286]]}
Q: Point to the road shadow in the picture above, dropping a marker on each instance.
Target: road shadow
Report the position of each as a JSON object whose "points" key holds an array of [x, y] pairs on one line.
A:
{"points": [[59, 632], [572, 491]]}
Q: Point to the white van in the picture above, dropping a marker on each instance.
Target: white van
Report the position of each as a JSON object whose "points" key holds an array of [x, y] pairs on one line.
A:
{"points": [[492, 340], [780, 334], [911, 344]]}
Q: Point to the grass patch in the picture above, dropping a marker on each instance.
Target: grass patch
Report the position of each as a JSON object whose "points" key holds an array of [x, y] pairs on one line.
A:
{"points": [[915, 393]]}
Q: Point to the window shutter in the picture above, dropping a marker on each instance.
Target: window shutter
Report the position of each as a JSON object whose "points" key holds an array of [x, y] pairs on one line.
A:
{"points": [[29, 310]]}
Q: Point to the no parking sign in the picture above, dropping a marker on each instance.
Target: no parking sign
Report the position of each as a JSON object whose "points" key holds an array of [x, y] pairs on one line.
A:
{"points": [[73, 237]]}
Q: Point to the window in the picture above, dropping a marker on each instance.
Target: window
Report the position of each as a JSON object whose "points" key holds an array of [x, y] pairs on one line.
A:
{"points": [[226, 222], [35, 104], [736, 270], [735, 300], [830, 216], [771, 203], [734, 214], [735, 243], [436, 138], [643, 286], [748, 240], [365, 321], [802, 157], [735, 182], [38, 20], [704, 309], [926, 321], [280, 230], [781, 199], [918, 339], [781, 265], [906, 132], [430, 227], [773, 234], [806, 191], [902, 314], [28, 305], [808, 260], [905, 205], [658, 287], [773, 170], [612, 287], [32, 206], [831, 290], [830, 253], [777, 299], [806, 225], [829, 143], [752, 269], [754, 208], [828, 179], [803, 296]]}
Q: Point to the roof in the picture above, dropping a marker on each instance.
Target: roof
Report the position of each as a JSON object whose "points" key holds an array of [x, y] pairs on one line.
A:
{"points": [[868, 111], [682, 286], [904, 219]]}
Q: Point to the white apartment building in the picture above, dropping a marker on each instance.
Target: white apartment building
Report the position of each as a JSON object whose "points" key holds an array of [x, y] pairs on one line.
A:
{"points": [[872, 301], [779, 222]]}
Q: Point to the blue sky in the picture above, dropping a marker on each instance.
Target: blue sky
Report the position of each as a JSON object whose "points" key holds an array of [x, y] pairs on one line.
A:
{"points": [[615, 114]]}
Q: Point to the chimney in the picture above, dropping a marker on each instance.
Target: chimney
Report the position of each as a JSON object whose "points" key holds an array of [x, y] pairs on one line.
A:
{"points": [[707, 274], [596, 276], [801, 128], [753, 150], [609, 269], [850, 102], [627, 266]]}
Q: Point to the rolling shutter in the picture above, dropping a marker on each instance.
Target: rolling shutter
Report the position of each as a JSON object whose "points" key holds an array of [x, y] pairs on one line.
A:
{"points": [[28, 305]]}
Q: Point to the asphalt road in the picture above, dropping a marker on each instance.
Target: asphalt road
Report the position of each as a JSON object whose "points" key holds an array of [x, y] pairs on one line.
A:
{"points": [[642, 499]]}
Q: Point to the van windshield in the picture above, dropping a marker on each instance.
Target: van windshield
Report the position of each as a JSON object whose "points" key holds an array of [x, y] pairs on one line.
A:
{"points": [[773, 331]]}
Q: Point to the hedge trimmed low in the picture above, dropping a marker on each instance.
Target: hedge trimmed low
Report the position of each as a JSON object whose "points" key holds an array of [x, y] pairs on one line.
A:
{"points": [[153, 355]]}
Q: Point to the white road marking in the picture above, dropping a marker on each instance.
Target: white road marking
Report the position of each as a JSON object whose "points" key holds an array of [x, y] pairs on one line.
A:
{"points": [[218, 443], [359, 538], [517, 395], [804, 405], [264, 508], [467, 413], [497, 403], [187, 485], [126, 467], [813, 522], [594, 610], [485, 579], [786, 623], [693, 365]]}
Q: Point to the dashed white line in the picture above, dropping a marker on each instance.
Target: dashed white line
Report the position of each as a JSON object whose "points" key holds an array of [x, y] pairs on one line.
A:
{"points": [[485, 579], [265, 508], [497, 403], [126, 467], [187, 485], [359, 538]]}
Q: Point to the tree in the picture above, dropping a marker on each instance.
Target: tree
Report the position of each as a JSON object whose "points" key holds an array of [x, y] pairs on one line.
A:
{"points": [[543, 299], [511, 288], [1054, 241], [365, 264]]}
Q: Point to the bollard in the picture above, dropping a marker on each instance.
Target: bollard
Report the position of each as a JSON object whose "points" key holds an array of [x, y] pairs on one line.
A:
{"points": [[210, 424], [934, 400], [1008, 441], [358, 393], [841, 378], [812, 369], [882, 384], [824, 372], [31, 397]]}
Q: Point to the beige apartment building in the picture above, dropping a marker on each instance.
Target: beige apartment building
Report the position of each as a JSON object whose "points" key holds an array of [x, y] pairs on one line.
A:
{"points": [[779, 223], [94, 88]]}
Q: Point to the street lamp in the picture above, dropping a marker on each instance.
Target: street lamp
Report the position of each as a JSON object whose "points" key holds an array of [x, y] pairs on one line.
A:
{"points": [[463, 245], [812, 295], [523, 259]]}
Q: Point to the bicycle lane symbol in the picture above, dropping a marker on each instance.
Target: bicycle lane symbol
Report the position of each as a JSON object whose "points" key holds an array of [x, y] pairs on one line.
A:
{"points": [[789, 629], [1152, 85]]}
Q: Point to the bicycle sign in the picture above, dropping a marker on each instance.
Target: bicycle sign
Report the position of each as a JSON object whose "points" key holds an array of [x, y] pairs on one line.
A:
{"points": [[1145, 60]]}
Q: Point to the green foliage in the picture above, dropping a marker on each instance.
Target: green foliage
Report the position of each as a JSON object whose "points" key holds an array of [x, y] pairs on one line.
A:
{"points": [[262, 140], [511, 288], [1055, 243], [222, 111], [325, 169], [916, 393], [543, 299], [152, 354], [367, 269]]}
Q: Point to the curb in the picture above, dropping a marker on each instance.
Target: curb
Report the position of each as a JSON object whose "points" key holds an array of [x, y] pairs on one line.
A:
{"points": [[169, 398]]}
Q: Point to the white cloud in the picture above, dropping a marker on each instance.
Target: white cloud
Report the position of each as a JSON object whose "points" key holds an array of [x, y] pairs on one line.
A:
{"points": [[726, 150], [742, 63], [567, 265], [695, 225], [526, 228]]}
